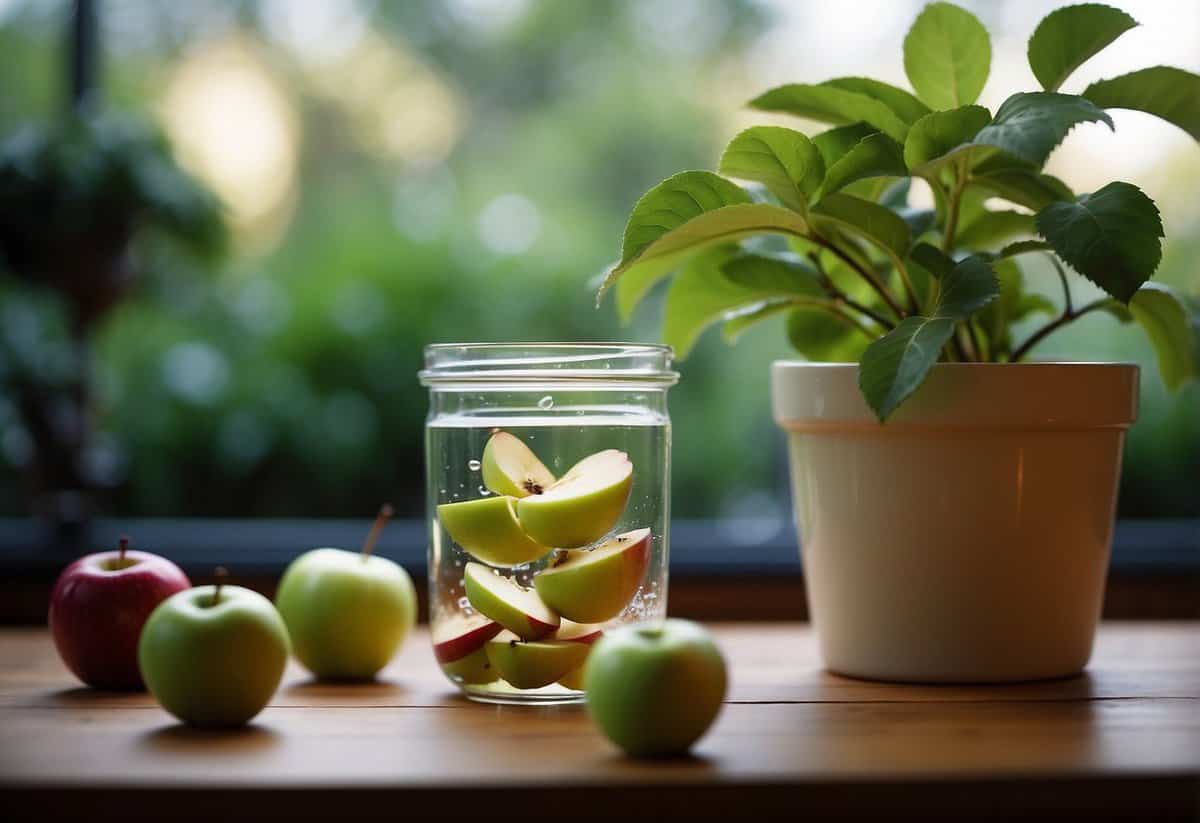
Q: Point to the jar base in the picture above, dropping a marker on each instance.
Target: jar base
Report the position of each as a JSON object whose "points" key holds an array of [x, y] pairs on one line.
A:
{"points": [[531, 698]]}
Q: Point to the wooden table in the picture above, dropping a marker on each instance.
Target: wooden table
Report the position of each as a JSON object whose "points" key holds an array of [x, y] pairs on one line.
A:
{"points": [[1124, 737]]}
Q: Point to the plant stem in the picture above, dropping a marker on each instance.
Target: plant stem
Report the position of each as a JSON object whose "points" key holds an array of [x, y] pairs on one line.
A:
{"points": [[841, 297], [381, 519], [221, 573], [1062, 276], [870, 277], [122, 547], [1066, 317], [952, 207], [976, 343]]}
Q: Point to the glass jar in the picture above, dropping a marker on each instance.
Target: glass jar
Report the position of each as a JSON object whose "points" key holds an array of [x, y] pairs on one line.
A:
{"points": [[548, 471]]}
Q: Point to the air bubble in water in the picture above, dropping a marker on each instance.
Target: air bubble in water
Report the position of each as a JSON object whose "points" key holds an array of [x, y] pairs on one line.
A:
{"points": [[546, 403], [473, 465], [484, 491], [464, 603]]}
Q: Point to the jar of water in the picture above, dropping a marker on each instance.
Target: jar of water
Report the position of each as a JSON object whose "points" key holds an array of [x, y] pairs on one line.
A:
{"points": [[548, 471]]}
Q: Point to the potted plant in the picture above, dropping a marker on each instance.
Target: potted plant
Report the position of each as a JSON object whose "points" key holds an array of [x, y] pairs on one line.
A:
{"points": [[78, 198], [955, 502]]}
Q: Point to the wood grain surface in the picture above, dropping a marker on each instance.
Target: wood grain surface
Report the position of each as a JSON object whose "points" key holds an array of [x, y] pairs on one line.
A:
{"points": [[1121, 740]]}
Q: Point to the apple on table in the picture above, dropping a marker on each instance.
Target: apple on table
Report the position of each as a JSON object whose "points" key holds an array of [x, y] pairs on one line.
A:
{"points": [[655, 689], [347, 612], [98, 607], [214, 655]]}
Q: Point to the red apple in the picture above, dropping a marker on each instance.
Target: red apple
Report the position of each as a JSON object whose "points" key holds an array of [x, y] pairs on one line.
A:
{"points": [[97, 610]]}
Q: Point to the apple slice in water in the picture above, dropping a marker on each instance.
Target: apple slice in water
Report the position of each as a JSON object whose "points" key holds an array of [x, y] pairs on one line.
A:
{"points": [[509, 467], [519, 610], [591, 586], [488, 528], [531, 665], [583, 505], [578, 632], [473, 670], [456, 637]]}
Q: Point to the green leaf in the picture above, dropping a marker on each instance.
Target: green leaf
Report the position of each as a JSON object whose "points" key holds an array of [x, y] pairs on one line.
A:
{"points": [[1113, 237], [947, 55], [829, 104], [1025, 187], [824, 336], [992, 228], [739, 320], [1011, 305], [1022, 247], [907, 108], [774, 274], [875, 156], [1029, 125], [719, 280], [935, 136], [896, 195], [1170, 93], [933, 260], [1070, 36], [783, 160], [834, 143], [895, 365], [1168, 325], [876, 223]]}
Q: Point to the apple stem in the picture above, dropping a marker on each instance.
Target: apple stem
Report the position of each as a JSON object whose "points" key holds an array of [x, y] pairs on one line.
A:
{"points": [[122, 547], [221, 573], [381, 519]]}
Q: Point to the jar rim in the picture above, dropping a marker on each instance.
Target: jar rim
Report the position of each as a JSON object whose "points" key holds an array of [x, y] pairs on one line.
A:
{"points": [[609, 362]]}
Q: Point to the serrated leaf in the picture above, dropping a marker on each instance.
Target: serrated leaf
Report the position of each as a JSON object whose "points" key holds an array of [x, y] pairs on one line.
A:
{"points": [[829, 104], [1166, 92], [1025, 187], [991, 228], [823, 336], [876, 223], [947, 54], [934, 137], [875, 156], [783, 160], [834, 143], [1113, 237], [1068, 37], [933, 260], [1022, 247], [895, 365], [1029, 125], [907, 107], [1167, 323]]}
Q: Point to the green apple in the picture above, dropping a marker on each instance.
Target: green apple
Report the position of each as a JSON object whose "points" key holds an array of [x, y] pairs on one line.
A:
{"points": [[213, 655], [517, 609], [489, 530], [510, 468], [531, 665], [594, 585], [347, 612], [577, 633], [458, 645], [583, 505], [654, 690]]}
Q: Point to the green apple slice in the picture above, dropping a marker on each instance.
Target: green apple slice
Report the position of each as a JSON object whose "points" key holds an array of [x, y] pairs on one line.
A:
{"points": [[583, 505], [573, 679], [510, 467], [473, 670], [591, 586], [488, 528], [519, 610], [578, 632], [531, 665]]}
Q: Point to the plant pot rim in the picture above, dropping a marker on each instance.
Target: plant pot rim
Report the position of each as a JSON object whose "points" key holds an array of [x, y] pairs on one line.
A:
{"points": [[1042, 394]]}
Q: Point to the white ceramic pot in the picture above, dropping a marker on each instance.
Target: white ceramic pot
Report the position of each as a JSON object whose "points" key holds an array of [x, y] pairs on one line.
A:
{"points": [[967, 539]]}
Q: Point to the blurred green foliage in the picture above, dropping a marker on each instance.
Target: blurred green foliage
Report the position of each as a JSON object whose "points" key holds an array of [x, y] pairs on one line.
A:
{"points": [[285, 383]]}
